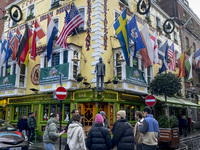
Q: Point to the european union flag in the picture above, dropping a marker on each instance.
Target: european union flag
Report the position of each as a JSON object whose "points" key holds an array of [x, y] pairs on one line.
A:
{"points": [[121, 31], [135, 36]]}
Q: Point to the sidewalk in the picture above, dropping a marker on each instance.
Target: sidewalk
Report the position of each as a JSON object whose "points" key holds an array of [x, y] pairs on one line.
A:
{"points": [[40, 146]]}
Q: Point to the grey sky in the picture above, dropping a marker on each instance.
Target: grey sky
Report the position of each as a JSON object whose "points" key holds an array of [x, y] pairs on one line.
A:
{"points": [[194, 4]]}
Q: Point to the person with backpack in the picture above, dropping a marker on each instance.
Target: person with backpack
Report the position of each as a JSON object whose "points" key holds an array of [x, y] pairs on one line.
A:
{"points": [[51, 133], [122, 130], [31, 122], [99, 137], [22, 125], [75, 134]]}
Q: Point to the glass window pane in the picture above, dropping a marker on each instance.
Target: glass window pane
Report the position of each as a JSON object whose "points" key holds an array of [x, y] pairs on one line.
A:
{"points": [[128, 112], [65, 57], [82, 12], [45, 62], [53, 109], [121, 106], [8, 70], [15, 112], [135, 62], [45, 113], [67, 112], [14, 69], [132, 113], [55, 59]]}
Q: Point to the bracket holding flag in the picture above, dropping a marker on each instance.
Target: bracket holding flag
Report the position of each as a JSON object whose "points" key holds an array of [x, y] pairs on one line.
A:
{"points": [[168, 26], [143, 6], [15, 13]]}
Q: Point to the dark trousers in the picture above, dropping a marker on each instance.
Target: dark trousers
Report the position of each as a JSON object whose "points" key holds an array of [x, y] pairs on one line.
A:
{"points": [[31, 134], [149, 147], [102, 80], [138, 146]]}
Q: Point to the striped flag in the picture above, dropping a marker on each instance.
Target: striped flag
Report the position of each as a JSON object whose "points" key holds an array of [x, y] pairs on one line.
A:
{"points": [[73, 20], [171, 55], [155, 47]]}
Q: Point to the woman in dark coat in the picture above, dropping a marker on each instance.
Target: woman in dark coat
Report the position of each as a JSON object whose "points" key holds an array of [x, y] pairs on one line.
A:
{"points": [[122, 130], [99, 137]]}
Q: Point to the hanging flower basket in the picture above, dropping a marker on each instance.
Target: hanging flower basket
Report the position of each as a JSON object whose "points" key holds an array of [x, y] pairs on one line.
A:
{"points": [[79, 77], [115, 80]]}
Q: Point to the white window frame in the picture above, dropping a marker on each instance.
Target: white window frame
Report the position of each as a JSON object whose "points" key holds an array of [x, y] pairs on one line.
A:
{"points": [[84, 18], [28, 10], [57, 18], [159, 22], [118, 13], [52, 1], [175, 36], [124, 4]]}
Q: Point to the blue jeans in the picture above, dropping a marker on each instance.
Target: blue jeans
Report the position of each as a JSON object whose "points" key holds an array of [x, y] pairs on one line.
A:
{"points": [[49, 146]]}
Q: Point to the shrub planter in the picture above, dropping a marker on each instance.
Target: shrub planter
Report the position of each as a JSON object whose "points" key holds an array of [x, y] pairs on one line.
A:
{"points": [[169, 135], [115, 81]]}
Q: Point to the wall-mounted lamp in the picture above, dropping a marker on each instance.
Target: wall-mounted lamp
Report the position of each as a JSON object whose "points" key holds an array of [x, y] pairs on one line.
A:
{"points": [[75, 58]]}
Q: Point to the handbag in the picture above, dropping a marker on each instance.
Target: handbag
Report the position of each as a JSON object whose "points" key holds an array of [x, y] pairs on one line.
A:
{"points": [[67, 147]]}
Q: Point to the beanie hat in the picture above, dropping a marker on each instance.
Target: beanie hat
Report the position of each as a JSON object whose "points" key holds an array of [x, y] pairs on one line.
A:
{"points": [[98, 119], [103, 113], [122, 113]]}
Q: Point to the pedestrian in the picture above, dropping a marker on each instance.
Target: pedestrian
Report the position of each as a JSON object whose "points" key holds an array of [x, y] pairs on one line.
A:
{"points": [[180, 124], [150, 129], [122, 130], [99, 137], [74, 112], [185, 125], [105, 123], [138, 136], [22, 125], [75, 134], [51, 133], [31, 122]]}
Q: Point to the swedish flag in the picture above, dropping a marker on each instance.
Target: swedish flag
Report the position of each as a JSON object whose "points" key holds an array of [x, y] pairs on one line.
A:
{"points": [[121, 31]]}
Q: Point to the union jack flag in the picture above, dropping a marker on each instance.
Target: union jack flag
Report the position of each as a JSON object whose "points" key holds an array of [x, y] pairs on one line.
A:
{"points": [[171, 55], [73, 20]]}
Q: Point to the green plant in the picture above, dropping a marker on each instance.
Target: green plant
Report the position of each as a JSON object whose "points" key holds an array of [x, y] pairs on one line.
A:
{"points": [[163, 122], [30, 16], [115, 78], [148, 19]]}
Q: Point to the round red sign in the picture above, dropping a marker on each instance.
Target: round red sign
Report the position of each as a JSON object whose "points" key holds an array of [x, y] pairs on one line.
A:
{"points": [[150, 100], [61, 93]]}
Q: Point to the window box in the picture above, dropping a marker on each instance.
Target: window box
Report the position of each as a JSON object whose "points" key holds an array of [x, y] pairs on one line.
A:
{"points": [[124, 2], [55, 4], [31, 16], [115, 80]]}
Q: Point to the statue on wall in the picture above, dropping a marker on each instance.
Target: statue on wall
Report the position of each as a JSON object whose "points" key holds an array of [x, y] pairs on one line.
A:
{"points": [[100, 70]]}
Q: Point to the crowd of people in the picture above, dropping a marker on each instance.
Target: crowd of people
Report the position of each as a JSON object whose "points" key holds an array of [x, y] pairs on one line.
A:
{"points": [[144, 136]]}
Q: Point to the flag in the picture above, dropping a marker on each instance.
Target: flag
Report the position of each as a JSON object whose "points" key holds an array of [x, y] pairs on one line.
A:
{"points": [[9, 49], [73, 20], [144, 52], [18, 37], [3, 50], [51, 33], [37, 35], [171, 55], [188, 67], [25, 46], [155, 47], [147, 40], [135, 36], [181, 63], [163, 53], [121, 31], [197, 58]]}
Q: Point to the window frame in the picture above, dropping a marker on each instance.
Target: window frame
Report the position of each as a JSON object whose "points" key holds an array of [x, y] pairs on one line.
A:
{"points": [[185, 16], [28, 10]]}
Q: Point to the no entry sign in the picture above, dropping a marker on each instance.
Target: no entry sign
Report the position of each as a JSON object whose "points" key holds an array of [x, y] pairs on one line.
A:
{"points": [[61, 93], [150, 100]]}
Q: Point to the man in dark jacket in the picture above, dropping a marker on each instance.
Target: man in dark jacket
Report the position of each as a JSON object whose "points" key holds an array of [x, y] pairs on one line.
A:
{"points": [[31, 122], [99, 137], [22, 125], [122, 130]]}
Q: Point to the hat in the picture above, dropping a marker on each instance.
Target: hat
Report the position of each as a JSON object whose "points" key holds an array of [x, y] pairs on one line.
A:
{"points": [[102, 113], [122, 113], [98, 119]]}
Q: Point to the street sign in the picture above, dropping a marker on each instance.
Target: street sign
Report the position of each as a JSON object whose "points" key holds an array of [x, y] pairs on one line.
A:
{"points": [[61, 93], [150, 100]]}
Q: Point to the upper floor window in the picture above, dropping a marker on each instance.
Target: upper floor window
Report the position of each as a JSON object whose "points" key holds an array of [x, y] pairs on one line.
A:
{"points": [[30, 12], [118, 67], [158, 23], [175, 37], [55, 3], [192, 24], [159, 43], [55, 59], [56, 22], [82, 12], [22, 76], [65, 57], [184, 16], [8, 69], [187, 45], [117, 14], [194, 47], [149, 74], [45, 62], [125, 2], [148, 17]]}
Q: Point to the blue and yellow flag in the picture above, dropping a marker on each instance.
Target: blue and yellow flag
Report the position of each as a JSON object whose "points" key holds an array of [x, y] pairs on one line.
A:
{"points": [[121, 30]]}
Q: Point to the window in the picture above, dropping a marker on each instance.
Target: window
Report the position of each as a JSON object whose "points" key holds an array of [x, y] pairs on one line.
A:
{"points": [[14, 23], [22, 76], [116, 15], [55, 59], [75, 67], [56, 22], [14, 69], [184, 16], [118, 67], [130, 112], [194, 47], [148, 17], [20, 111], [67, 112], [175, 38], [192, 24], [125, 2], [149, 74], [82, 12], [65, 57], [187, 45], [31, 10], [55, 3], [8, 70], [135, 62], [197, 29], [1, 71], [159, 43], [45, 62], [158, 23]]}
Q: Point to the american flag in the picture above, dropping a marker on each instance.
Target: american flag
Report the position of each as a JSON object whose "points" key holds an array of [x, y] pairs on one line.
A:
{"points": [[73, 20], [171, 55]]}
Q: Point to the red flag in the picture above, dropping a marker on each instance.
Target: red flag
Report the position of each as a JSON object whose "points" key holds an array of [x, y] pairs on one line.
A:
{"points": [[18, 36], [37, 35]]}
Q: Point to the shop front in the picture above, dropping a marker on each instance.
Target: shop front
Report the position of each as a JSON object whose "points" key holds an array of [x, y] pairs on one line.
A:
{"points": [[3, 109]]}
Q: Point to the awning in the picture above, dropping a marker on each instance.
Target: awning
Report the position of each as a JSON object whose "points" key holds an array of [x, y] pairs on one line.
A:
{"points": [[177, 102]]}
